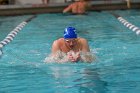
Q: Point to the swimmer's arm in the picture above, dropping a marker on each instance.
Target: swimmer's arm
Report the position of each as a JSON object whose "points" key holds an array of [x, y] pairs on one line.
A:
{"points": [[56, 53], [55, 48], [85, 49], [69, 8], [85, 46]]}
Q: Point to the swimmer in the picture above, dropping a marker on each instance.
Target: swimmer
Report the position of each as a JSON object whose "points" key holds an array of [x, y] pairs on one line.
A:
{"points": [[78, 7], [71, 48]]}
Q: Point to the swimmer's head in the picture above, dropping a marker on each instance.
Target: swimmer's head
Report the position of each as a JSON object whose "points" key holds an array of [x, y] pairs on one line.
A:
{"points": [[70, 32]]}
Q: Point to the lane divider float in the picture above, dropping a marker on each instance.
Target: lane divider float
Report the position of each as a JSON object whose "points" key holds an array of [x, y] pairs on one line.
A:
{"points": [[13, 33], [127, 24]]}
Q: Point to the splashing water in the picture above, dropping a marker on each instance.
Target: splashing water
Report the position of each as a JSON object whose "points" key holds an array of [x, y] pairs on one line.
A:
{"points": [[61, 57]]}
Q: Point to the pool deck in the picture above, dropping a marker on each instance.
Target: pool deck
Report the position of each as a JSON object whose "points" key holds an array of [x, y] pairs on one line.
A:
{"points": [[11, 10]]}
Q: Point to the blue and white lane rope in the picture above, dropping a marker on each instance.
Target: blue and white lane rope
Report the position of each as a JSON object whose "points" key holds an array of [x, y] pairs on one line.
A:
{"points": [[128, 24], [13, 33]]}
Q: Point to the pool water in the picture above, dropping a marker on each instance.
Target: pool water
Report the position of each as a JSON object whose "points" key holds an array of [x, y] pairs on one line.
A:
{"points": [[116, 70]]}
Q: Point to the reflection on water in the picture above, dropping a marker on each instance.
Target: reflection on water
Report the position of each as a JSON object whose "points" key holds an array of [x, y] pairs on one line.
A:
{"points": [[77, 77], [94, 84]]}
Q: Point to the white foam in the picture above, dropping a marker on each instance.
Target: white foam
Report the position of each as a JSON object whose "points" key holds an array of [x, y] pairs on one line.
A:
{"points": [[61, 57]]}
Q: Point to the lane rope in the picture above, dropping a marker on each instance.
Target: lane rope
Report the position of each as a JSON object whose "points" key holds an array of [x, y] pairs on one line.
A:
{"points": [[127, 24], [13, 33]]}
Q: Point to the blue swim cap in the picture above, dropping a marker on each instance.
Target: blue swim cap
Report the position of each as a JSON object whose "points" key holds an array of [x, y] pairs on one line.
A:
{"points": [[70, 32]]}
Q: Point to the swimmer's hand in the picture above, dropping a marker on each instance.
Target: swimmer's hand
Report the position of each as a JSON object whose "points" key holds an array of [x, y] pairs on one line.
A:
{"points": [[73, 57]]}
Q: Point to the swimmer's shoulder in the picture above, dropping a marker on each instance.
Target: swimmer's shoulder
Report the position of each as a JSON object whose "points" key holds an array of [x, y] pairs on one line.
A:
{"points": [[81, 39], [59, 41]]}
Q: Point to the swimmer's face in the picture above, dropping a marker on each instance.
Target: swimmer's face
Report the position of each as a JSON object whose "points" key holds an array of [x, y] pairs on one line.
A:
{"points": [[71, 42]]}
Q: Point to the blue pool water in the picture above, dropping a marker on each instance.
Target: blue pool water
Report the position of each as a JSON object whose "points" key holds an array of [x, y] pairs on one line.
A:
{"points": [[116, 70]]}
